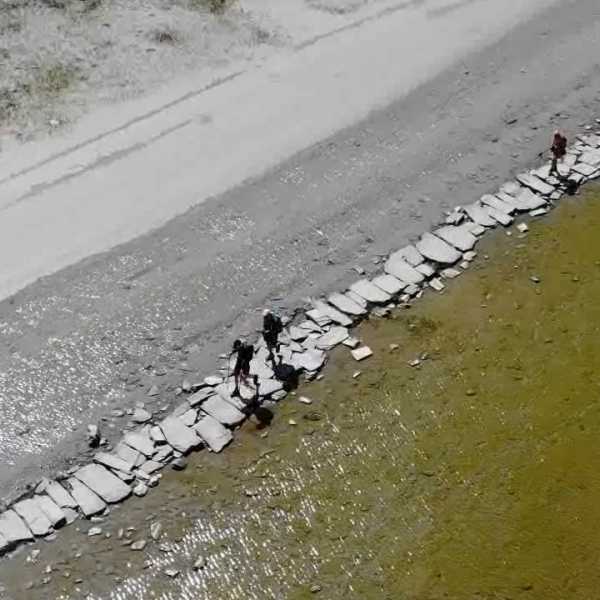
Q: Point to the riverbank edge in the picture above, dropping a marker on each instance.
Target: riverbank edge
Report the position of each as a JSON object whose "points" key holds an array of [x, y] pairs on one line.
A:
{"points": [[208, 415]]}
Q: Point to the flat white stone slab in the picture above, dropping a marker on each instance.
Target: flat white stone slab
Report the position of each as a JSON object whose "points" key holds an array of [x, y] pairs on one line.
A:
{"points": [[356, 298], [213, 434], [213, 380], [361, 353], [55, 514], [437, 250], [178, 435], [370, 292], [500, 216], [457, 236], [112, 461], [58, 493], [33, 516], [335, 336], [201, 395], [508, 199], [223, 411], [585, 169], [527, 200], [343, 303], [140, 442], [332, 313], [535, 183], [397, 266], [298, 334], [389, 284], [151, 466], [188, 418], [426, 269], [497, 204], [479, 215], [411, 255], [591, 158], [311, 360], [318, 317], [128, 454], [266, 387], [88, 502], [102, 482], [13, 528]]}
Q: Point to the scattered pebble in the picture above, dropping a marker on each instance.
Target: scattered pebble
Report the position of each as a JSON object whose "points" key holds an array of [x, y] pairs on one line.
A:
{"points": [[199, 563], [356, 374], [292, 422], [139, 545], [94, 531], [305, 400], [361, 353], [522, 228], [534, 279], [394, 347], [172, 573], [155, 530]]}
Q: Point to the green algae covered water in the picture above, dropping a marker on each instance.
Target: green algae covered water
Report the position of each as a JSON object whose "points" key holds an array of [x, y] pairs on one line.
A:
{"points": [[475, 475]]}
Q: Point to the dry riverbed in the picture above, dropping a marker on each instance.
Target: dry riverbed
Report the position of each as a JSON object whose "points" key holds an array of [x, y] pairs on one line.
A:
{"points": [[472, 475]]}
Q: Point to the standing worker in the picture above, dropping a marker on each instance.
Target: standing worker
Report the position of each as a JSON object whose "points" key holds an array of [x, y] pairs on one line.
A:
{"points": [[272, 327], [558, 149], [241, 371]]}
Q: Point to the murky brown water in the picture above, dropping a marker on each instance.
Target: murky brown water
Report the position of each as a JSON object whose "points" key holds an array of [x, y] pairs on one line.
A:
{"points": [[474, 476]]}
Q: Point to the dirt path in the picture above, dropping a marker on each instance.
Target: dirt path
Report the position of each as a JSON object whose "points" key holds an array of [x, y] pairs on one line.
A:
{"points": [[98, 335]]}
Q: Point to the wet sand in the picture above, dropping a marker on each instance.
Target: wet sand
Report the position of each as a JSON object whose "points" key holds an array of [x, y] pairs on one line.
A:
{"points": [[474, 475]]}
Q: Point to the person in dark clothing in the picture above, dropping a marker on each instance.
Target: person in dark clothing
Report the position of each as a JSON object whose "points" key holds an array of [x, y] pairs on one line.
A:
{"points": [[272, 327], [244, 353], [559, 150]]}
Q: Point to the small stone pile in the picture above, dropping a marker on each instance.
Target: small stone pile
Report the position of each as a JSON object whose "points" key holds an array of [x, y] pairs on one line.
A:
{"points": [[210, 413]]}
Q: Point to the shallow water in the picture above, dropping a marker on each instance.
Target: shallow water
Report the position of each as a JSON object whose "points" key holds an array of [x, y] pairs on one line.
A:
{"points": [[473, 476]]}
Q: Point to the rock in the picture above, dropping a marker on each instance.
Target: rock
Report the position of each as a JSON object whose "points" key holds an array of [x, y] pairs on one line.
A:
{"points": [[199, 563], [70, 514], [138, 545], [298, 334], [92, 531], [361, 353], [55, 514], [292, 422], [535, 183], [527, 200], [172, 573], [437, 250], [93, 436], [412, 290], [139, 441], [153, 391], [450, 273], [202, 394], [522, 227], [101, 481], [128, 454], [178, 435], [411, 255], [223, 411], [140, 489], [469, 256], [157, 435], [345, 304], [213, 433], [436, 284], [151, 466], [414, 363], [60, 496], [335, 336], [457, 236], [356, 374], [305, 400], [113, 462], [155, 530], [141, 415], [535, 279], [479, 214], [585, 169], [333, 314], [268, 387], [397, 266], [12, 530], [163, 454], [318, 317], [351, 342], [370, 292], [89, 503], [426, 269], [314, 589], [394, 347], [311, 360], [389, 284], [179, 464], [497, 204], [188, 418], [33, 516], [500, 216]]}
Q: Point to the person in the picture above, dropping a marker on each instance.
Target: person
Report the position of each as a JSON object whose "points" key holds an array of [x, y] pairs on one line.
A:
{"points": [[244, 353], [558, 149], [272, 327]]}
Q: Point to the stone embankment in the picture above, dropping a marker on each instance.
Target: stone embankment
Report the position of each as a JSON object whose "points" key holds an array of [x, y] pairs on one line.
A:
{"points": [[209, 414]]}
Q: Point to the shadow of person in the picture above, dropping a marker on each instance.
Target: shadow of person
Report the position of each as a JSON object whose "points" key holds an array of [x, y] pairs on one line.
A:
{"points": [[287, 374]]}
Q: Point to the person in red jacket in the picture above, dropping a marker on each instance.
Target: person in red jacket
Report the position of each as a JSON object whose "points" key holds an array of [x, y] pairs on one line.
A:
{"points": [[558, 149]]}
